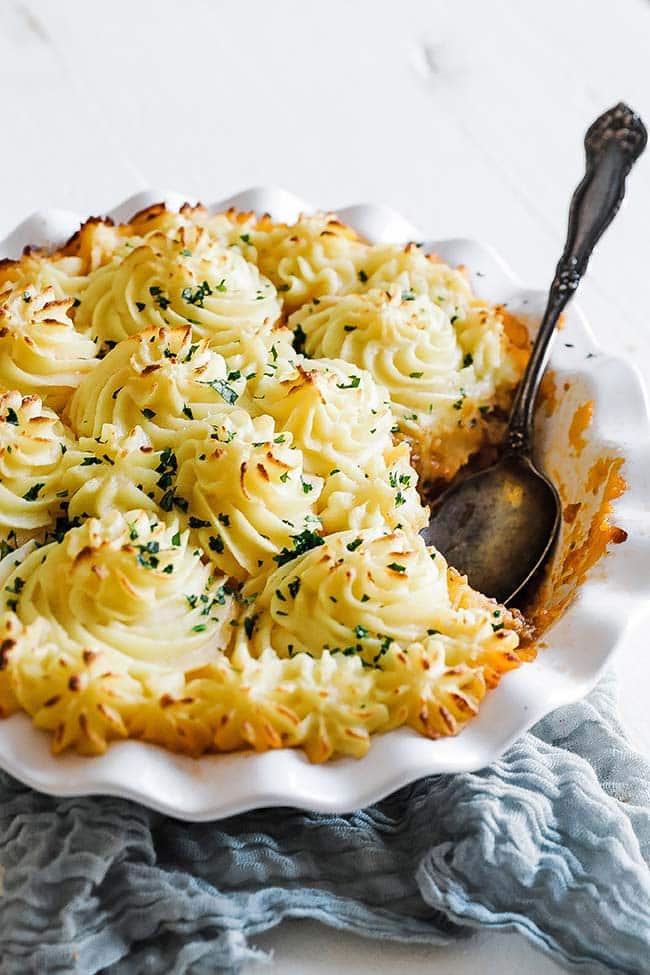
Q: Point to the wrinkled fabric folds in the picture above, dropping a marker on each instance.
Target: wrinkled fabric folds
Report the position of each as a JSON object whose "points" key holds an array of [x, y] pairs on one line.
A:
{"points": [[553, 840]]}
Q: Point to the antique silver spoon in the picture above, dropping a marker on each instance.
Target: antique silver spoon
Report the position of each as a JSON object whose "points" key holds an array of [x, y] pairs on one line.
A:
{"points": [[499, 525]]}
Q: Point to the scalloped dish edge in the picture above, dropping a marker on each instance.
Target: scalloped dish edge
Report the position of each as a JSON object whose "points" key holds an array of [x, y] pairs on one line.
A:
{"points": [[581, 634]]}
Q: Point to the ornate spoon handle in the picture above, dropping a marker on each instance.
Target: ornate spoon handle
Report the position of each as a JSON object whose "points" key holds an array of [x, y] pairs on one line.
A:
{"points": [[613, 143]]}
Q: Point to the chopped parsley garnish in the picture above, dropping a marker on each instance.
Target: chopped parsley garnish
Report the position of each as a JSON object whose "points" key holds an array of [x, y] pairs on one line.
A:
{"points": [[396, 567], [408, 296], [416, 375], [186, 253], [468, 360], [199, 628], [354, 382], [307, 487], [147, 555], [196, 296], [299, 337], [12, 417], [249, 624], [88, 461], [224, 519], [27, 297], [17, 587], [245, 238], [148, 413], [349, 328], [176, 539], [140, 305], [294, 587], [497, 626], [215, 543], [360, 632], [170, 500], [187, 411], [226, 392], [160, 299], [351, 546], [302, 543], [235, 374], [363, 277], [34, 492]]}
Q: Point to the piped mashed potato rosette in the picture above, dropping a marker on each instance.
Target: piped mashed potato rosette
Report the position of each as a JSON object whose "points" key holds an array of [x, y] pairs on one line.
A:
{"points": [[32, 444], [210, 517], [41, 352]]}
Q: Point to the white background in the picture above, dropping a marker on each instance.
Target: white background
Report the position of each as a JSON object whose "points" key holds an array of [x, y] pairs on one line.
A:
{"points": [[466, 115]]}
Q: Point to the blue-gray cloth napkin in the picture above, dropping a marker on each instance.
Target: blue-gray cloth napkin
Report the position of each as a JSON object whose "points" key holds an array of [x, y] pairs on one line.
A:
{"points": [[553, 840]]}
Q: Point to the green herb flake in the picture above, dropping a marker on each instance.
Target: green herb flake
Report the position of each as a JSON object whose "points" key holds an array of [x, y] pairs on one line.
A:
{"points": [[196, 296], [354, 382], [299, 337], [302, 543], [226, 392], [34, 492], [396, 567], [249, 624]]}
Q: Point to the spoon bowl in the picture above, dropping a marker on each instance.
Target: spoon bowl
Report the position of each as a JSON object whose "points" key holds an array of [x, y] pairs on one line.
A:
{"points": [[497, 525]]}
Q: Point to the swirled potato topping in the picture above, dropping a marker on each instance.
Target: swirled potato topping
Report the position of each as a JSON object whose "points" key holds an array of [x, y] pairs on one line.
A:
{"points": [[41, 352], [214, 431]]}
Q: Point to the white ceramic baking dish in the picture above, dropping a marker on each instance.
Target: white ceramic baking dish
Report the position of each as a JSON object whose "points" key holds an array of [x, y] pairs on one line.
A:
{"points": [[576, 647]]}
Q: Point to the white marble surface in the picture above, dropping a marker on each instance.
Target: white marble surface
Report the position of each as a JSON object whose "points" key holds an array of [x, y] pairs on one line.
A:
{"points": [[467, 116]]}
